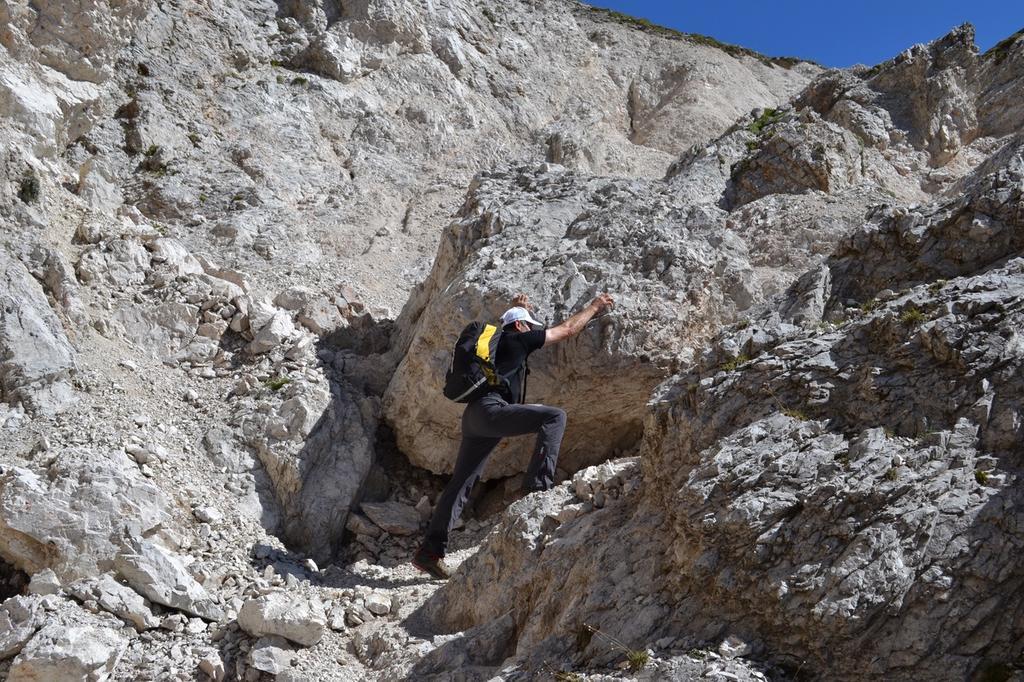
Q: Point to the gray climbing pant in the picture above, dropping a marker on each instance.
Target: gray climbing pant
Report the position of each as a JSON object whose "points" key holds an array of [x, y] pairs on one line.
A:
{"points": [[484, 423]]}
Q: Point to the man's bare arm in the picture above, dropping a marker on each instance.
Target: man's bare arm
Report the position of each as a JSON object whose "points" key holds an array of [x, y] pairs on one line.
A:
{"points": [[575, 324]]}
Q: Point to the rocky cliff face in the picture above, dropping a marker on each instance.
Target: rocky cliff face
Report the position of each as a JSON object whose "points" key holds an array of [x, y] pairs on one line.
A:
{"points": [[211, 216], [732, 223], [832, 479]]}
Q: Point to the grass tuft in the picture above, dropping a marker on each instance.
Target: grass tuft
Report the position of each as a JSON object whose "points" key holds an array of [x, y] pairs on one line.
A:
{"points": [[799, 415], [766, 119], [731, 365], [637, 659], [277, 383], [981, 477], [869, 305], [912, 317]]}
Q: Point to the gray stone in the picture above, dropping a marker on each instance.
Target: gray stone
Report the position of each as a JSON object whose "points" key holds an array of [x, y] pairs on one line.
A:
{"points": [[118, 599], [377, 603], [61, 652], [295, 618], [74, 522], [20, 617], [393, 517], [36, 359], [272, 655], [44, 582], [273, 333], [360, 525], [315, 439], [294, 298], [211, 665], [161, 577], [208, 514], [843, 468]]}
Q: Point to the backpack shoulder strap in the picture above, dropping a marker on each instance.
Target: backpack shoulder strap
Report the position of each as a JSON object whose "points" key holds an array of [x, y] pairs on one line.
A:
{"points": [[487, 351]]}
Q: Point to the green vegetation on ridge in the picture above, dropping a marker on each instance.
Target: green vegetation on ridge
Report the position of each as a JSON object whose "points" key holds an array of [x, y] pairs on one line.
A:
{"points": [[732, 50]]}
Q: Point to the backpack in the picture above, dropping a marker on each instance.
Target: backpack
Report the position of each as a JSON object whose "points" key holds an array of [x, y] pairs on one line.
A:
{"points": [[472, 372]]}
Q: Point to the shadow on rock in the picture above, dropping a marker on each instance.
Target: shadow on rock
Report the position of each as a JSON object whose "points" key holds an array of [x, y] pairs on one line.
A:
{"points": [[474, 653]]}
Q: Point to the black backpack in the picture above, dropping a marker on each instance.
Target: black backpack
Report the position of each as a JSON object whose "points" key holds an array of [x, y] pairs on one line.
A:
{"points": [[472, 372]]}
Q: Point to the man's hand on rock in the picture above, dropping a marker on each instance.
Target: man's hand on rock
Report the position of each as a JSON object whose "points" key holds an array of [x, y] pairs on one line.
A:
{"points": [[522, 301], [603, 302]]}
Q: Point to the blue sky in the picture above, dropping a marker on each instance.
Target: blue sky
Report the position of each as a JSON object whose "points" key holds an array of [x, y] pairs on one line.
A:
{"points": [[831, 33]]}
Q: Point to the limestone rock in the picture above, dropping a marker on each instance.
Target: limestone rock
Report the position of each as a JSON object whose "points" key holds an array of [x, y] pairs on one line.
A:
{"points": [[44, 582], [272, 333], [322, 315], [315, 439], [824, 485], [43, 34], [36, 360], [171, 255], [59, 652], [74, 523], [118, 599], [208, 514], [360, 525], [164, 329], [20, 617], [393, 517], [377, 603], [830, 478], [161, 577], [794, 157], [673, 271], [57, 276], [592, 480], [212, 666], [119, 262], [297, 619], [272, 655], [479, 649], [294, 298]]}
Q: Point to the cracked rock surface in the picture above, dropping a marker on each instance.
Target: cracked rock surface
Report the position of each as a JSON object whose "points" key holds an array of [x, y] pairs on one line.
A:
{"points": [[237, 241]]}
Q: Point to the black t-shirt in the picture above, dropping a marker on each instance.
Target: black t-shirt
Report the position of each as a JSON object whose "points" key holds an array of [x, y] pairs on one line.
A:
{"points": [[513, 349]]}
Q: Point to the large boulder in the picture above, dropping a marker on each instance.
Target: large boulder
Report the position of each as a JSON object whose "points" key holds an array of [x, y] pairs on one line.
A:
{"points": [[36, 359], [163, 577], [59, 652], [561, 238], [73, 520], [315, 438]]}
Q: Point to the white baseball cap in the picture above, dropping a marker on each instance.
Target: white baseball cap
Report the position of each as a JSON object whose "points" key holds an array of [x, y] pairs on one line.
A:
{"points": [[516, 314]]}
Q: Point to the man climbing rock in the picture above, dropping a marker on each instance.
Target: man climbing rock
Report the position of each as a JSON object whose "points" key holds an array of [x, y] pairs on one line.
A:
{"points": [[500, 412]]}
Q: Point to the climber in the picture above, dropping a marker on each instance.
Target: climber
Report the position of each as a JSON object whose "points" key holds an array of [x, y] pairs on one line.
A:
{"points": [[500, 413]]}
